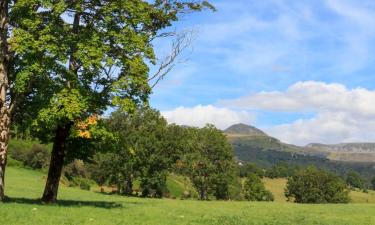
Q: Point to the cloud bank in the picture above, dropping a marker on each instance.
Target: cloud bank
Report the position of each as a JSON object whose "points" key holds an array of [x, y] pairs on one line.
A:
{"points": [[341, 114], [199, 116]]}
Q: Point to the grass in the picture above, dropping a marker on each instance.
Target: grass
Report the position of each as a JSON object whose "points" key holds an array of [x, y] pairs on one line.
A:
{"points": [[277, 186], [90, 207]]}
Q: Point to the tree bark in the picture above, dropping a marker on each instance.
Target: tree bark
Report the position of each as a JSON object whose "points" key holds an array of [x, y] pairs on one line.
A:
{"points": [[128, 185], [4, 86], [56, 164]]}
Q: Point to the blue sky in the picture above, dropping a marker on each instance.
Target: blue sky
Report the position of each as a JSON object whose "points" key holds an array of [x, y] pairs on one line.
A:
{"points": [[251, 62]]}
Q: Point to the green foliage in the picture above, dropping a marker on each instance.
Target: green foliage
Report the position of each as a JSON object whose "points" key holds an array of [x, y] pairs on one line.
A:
{"points": [[209, 162], [281, 170], [82, 183], [14, 163], [30, 153], [316, 186], [139, 152], [254, 189], [249, 168], [38, 157], [76, 168], [353, 179]]}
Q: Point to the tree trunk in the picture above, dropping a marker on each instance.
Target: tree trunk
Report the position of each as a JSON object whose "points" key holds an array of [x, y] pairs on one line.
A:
{"points": [[61, 134], [56, 164], [4, 110], [4, 139], [128, 185]]}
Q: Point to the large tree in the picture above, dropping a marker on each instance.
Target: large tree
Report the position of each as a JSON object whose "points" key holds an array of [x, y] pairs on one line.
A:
{"points": [[25, 62], [209, 162], [312, 185], [140, 152], [101, 52]]}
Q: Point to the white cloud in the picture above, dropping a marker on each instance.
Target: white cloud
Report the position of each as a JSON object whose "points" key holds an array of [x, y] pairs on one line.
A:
{"points": [[342, 114], [312, 96], [199, 116]]}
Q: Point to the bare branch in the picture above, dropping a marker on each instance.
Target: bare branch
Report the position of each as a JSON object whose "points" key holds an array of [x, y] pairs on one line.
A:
{"points": [[181, 42]]}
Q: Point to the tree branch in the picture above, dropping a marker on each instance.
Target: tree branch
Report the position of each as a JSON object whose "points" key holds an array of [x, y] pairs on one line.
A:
{"points": [[181, 42]]}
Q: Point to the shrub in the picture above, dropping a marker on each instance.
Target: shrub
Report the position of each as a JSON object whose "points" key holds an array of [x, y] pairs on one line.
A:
{"points": [[353, 179], [14, 163], [83, 183], [76, 168], [312, 185], [38, 157], [254, 189]]}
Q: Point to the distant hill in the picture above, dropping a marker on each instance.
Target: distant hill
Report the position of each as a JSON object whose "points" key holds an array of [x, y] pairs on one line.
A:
{"points": [[345, 147], [252, 137], [352, 152], [243, 129], [252, 145]]}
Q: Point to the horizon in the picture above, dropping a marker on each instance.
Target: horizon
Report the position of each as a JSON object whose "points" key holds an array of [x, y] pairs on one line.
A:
{"points": [[301, 72]]}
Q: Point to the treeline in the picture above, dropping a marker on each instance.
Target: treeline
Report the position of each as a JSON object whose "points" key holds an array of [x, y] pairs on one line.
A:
{"points": [[353, 179], [270, 158], [140, 147], [146, 149]]}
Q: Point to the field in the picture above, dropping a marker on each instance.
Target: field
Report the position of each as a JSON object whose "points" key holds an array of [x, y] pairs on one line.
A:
{"points": [[90, 207], [277, 186]]}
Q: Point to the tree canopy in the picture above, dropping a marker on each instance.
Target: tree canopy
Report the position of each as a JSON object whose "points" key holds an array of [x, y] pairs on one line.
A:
{"points": [[312, 185]]}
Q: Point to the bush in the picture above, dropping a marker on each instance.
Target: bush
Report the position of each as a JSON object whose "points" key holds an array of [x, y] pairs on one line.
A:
{"points": [[312, 185], [14, 163], [353, 179], [254, 189], [38, 157], [83, 183], [249, 168], [76, 168], [280, 170], [18, 150]]}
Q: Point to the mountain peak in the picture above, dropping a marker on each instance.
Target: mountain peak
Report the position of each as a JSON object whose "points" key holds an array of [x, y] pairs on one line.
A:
{"points": [[244, 129]]}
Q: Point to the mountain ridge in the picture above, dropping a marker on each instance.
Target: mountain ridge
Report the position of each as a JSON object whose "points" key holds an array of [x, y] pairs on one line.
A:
{"points": [[251, 138]]}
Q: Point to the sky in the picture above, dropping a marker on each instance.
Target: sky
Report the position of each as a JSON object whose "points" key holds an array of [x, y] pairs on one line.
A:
{"points": [[302, 71]]}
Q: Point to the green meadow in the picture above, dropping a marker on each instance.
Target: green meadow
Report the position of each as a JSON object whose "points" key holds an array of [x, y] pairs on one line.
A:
{"points": [[77, 206]]}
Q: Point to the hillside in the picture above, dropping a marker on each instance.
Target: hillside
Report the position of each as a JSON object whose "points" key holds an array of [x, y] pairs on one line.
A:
{"points": [[254, 146], [245, 135], [255, 139], [352, 152], [93, 208], [245, 130], [247, 139]]}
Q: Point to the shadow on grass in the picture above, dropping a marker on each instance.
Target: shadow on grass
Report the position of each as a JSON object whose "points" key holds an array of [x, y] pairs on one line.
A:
{"points": [[67, 203]]}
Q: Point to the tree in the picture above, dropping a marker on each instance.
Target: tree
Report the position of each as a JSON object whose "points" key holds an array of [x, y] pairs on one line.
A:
{"points": [[316, 186], [25, 63], [249, 168], [210, 164], [140, 151], [254, 190], [353, 179], [99, 53]]}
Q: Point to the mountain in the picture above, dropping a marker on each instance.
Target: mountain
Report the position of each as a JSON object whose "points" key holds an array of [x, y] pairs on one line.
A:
{"points": [[243, 129], [246, 139], [252, 145], [352, 152], [252, 137], [345, 147]]}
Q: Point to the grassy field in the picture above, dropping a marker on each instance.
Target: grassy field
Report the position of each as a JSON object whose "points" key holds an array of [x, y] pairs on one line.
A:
{"points": [[277, 186], [90, 207]]}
